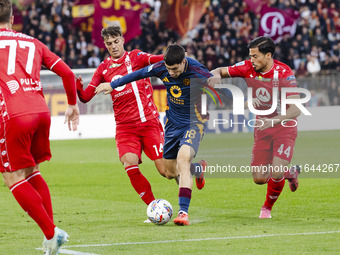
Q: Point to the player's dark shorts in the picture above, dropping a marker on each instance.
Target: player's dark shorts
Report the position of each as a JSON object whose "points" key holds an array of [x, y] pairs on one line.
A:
{"points": [[24, 141], [278, 141], [147, 136], [176, 136]]}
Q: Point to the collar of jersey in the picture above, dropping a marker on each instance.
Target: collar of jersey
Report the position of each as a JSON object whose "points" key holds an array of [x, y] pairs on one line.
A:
{"points": [[121, 59], [269, 69], [186, 65]]}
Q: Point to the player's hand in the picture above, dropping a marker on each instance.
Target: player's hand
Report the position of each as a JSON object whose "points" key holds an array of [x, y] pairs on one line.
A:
{"points": [[72, 117], [79, 83], [267, 122], [216, 79], [256, 103], [106, 87]]}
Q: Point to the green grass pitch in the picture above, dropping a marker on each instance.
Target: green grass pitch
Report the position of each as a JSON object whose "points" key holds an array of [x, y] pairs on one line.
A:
{"points": [[95, 203]]}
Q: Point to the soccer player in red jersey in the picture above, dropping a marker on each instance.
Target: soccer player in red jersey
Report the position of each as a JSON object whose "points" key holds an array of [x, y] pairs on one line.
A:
{"points": [[25, 122], [137, 120], [273, 141]]}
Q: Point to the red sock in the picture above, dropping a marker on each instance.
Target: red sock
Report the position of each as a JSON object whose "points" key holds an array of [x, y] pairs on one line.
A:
{"points": [[140, 184], [32, 203], [274, 188], [39, 184]]}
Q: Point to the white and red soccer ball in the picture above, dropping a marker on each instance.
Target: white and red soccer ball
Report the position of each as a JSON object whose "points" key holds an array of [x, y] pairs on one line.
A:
{"points": [[159, 211]]}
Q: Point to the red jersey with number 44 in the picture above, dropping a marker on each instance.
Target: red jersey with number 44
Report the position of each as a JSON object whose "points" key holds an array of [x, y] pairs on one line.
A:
{"points": [[133, 102], [280, 75], [20, 63]]}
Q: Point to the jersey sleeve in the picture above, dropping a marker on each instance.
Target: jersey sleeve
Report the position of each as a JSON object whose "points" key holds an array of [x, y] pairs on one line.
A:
{"points": [[85, 95], [289, 81], [239, 69], [146, 59], [58, 66], [149, 71]]}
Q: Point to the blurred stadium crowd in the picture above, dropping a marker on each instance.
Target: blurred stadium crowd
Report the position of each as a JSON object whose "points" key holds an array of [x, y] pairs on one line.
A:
{"points": [[220, 39]]}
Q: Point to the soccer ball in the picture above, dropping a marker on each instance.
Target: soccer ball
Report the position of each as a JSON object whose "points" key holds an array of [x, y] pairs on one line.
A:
{"points": [[159, 211]]}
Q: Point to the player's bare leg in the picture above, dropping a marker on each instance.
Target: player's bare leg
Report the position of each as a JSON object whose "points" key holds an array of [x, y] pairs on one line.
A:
{"points": [[159, 163], [137, 179], [171, 170], [184, 158], [261, 174]]}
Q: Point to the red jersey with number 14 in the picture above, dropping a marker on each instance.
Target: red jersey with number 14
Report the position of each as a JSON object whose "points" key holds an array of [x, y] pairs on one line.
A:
{"points": [[133, 102], [20, 63], [280, 75]]}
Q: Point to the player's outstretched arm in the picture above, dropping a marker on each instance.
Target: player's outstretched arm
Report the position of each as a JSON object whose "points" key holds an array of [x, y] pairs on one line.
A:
{"points": [[134, 76], [104, 87], [218, 74], [84, 95], [72, 117]]}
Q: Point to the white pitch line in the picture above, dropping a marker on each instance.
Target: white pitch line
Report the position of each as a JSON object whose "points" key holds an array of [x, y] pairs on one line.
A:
{"points": [[203, 239], [64, 251]]}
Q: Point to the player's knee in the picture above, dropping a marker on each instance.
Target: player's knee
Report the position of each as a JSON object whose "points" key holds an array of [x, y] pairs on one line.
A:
{"points": [[170, 174], [260, 181]]}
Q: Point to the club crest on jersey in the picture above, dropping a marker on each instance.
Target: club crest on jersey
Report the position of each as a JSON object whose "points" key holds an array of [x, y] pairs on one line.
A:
{"points": [[127, 62], [263, 94], [114, 65], [260, 78], [186, 82]]}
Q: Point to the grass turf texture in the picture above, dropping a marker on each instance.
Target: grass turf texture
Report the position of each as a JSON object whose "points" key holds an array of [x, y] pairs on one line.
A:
{"points": [[95, 203]]}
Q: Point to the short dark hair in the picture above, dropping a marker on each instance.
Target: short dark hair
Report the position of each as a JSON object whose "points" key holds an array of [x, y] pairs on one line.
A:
{"points": [[112, 31], [174, 54], [5, 11], [264, 43]]}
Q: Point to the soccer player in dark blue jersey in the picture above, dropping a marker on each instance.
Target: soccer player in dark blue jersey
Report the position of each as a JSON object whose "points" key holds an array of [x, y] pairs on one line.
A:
{"points": [[184, 79]]}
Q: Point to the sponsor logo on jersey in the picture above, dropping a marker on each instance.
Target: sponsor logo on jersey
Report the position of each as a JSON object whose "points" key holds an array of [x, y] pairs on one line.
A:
{"points": [[186, 82], [263, 94], [120, 88], [122, 93], [141, 53], [165, 79], [175, 91], [114, 65], [13, 86], [260, 78]]}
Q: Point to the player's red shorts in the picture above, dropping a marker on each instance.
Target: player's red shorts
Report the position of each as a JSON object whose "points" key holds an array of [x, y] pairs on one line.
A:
{"points": [[278, 141], [24, 141], [147, 136]]}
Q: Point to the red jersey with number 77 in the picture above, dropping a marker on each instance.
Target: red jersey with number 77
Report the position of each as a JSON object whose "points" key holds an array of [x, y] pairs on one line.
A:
{"points": [[21, 59], [133, 102], [280, 75]]}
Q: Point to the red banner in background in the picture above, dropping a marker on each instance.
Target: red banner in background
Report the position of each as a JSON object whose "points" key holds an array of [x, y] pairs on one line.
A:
{"points": [[109, 12], [82, 14], [256, 5], [184, 15], [276, 23]]}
